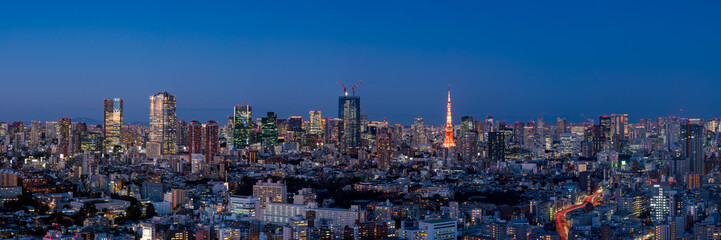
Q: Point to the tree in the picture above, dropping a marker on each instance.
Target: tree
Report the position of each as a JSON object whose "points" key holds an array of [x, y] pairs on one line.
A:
{"points": [[150, 211], [133, 212]]}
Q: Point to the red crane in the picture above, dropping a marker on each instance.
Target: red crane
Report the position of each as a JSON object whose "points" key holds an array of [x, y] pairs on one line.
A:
{"points": [[343, 86], [356, 86]]}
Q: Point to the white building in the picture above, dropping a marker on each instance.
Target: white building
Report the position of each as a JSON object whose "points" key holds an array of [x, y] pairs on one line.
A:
{"points": [[245, 206], [445, 229]]}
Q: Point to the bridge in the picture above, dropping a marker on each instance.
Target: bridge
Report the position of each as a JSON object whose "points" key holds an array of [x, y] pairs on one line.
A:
{"points": [[560, 216]]}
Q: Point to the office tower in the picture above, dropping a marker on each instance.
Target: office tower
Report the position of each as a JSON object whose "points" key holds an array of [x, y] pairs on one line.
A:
{"points": [[211, 141], [315, 123], [489, 125], [63, 130], [3, 130], [448, 141], [691, 136], [195, 139], [518, 133], [16, 132], [332, 131], [242, 126], [469, 145], [295, 124], [619, 128], [383, 147], [269, 129], [659, 201], [51, 130], [560, 126], [182, 132], [467, 124], [163, 121], [605, 123], [496, 146], [112, 123], [35, 129], [419, 132], [80, 131], [349, 133], [570, 144]]}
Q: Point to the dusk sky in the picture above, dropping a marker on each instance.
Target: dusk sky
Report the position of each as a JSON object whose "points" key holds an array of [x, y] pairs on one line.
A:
{"points": [[514, 60]]}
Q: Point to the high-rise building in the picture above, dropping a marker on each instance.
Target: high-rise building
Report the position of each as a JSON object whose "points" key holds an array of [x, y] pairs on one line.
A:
{"points": [[163, 121], [620, 126], [211, 141], [315, 123], [419, 132], [560, 126], [605, 123], [113, 123], [63, 130], [497, 146], [182, 133], [383, 147], [295, 123], [51, 130], [467, 124], [243, 124], [448, 141], [195, 138], [691, 136], [349, 113], [659, 201], [35, 129], [269, 129]]}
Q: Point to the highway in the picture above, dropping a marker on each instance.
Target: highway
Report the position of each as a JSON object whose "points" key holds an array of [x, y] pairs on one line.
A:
{"points": [[560, 216]]}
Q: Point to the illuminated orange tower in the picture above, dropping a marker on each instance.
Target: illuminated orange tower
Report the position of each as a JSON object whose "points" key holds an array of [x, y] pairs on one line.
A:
{"points": [[449, 142]]}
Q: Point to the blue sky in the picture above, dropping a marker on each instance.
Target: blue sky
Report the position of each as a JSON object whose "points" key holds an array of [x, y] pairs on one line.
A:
{"points": [[515, 60]]}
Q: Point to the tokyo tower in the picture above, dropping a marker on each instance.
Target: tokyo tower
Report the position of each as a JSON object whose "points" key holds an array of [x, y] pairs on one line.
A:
{"points": [[448, 142]]}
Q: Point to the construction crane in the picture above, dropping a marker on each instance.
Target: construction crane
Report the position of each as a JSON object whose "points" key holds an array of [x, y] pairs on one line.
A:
{"points": [[588, 120], [356, 86], [344, 89]]}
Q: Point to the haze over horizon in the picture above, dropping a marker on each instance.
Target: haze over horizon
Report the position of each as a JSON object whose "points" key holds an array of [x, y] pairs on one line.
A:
{"points": [[513, 61]]}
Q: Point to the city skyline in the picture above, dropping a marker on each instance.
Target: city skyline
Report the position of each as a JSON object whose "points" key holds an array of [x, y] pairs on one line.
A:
{"points": [[572, 118], [512, 61]]}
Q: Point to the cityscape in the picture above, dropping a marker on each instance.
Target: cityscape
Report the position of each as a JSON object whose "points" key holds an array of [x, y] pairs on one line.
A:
{"points": [[442, 166]]}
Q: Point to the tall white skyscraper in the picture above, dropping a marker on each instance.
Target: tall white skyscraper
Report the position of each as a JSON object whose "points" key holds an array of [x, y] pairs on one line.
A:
{"points": [[162, 123]]}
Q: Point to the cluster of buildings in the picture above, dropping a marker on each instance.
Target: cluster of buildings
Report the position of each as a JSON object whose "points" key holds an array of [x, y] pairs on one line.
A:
{"points": [[349, 177]]}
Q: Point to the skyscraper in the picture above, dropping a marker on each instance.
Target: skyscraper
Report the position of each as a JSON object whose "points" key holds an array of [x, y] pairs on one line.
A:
{"points": [[295, 123], [419, 132], [315, 123], [113, 123], [605, 122], [35, 129], [383, 147], [449, 142], [659, 201], [211, 141], [195, 138], [691, 135], [467, 124], [163, 123], [63, 135], [243, 124], [269, 130], [497, 146], [349, 113]]}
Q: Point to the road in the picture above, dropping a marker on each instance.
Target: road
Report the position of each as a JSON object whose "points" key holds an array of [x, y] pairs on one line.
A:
{"points": [[560, 216]]}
